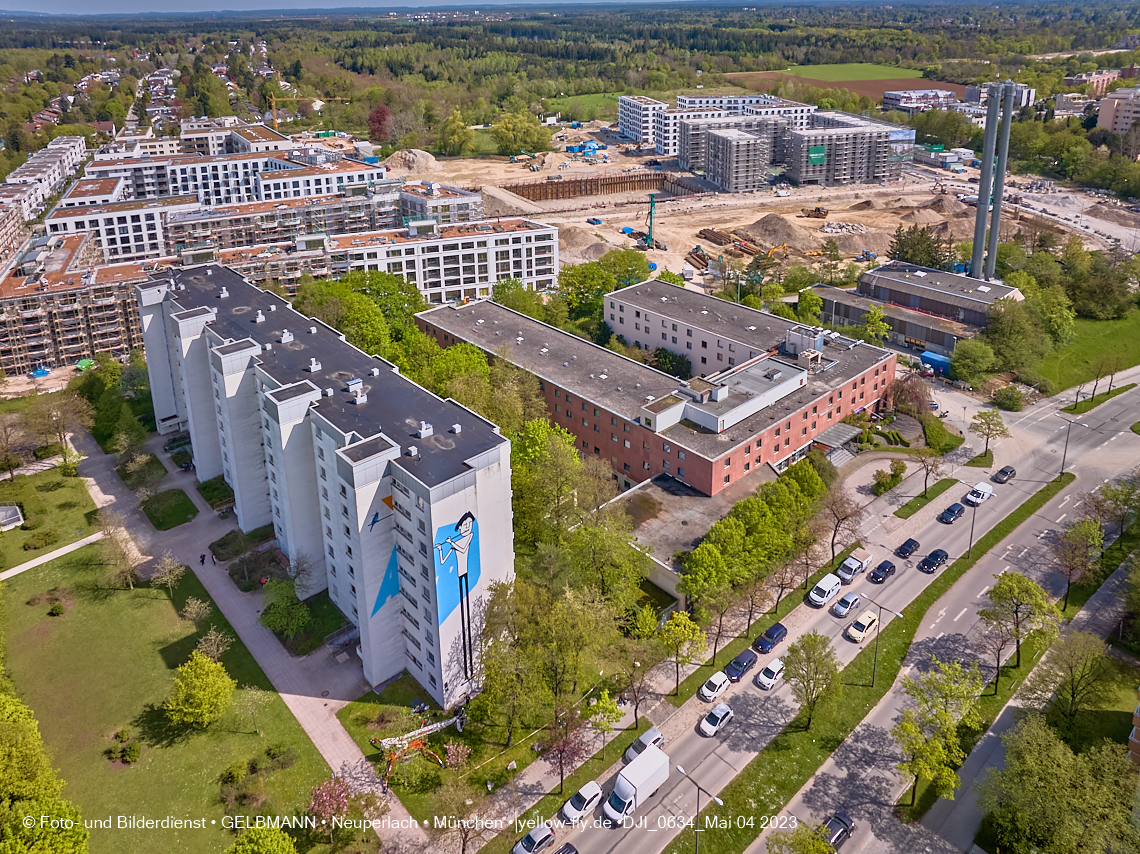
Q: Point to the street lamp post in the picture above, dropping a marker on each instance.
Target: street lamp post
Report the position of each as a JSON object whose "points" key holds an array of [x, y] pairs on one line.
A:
{"points": [[878, 626], [973, 517], [1068, 430], [696, 820]]}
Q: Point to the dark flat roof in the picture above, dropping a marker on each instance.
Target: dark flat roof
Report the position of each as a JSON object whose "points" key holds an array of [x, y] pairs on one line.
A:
{"points": [[951, 288], [931, 321], [395, 405]]}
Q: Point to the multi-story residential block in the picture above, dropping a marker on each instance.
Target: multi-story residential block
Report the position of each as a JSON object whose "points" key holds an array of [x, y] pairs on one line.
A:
{"points": [[737, 160], [57, 308], [1119, 110], [666, 127], [209, 137], [692, 142], [1095, 83], [89, 192], [913, 101], [839, 149], [635, 116], [45, 173], [400, 499], [13, 233], [764, 388], [770, 106], [445, 205], [132, 230], [1023, 95]]}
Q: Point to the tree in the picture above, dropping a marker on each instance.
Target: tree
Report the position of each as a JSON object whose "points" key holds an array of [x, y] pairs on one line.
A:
{"points": [[195, 611], [635, 672], [908, 393], [168, 572], [809, 306], [604, 716], [462, 830], [519, 131], [994, 639], [329, 800], [989, 424], [513, 294], [931, 465], [129, 434], [283, 612], [117, 549], [602, 556], [1046, 798], [643, 623], [584, 286], [875, 324], [53, 417], [1073, 678], [812, 669], [843, 515], [12, 438], [251, 700], [214, 644], [1009, 398], [263, 840], [971, 359], [1014, 336], [803, 839], [683, 642], [1021, 606], [924, 758], [202, 692], [567, 743], [379, 122], [920, 245], [1115, 502], [1076, 551], [455, 136], [627, 266], [707, 581]]}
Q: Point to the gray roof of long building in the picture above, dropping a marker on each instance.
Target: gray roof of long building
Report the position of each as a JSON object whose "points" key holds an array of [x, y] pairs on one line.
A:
{"points": [[952, 288], [395, 404], [932, 321]]}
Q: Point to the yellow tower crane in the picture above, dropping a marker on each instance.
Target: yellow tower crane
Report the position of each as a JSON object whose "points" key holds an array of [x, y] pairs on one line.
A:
{"points": [[273, 99]]}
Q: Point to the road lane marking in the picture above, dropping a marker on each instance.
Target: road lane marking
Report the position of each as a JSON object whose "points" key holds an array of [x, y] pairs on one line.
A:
{"points": [[1063, 515], [960, 613], [1024, 549], [1066, 501], [983, 591], [939, 635]]}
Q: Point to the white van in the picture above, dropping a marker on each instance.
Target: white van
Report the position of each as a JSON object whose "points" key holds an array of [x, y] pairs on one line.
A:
{"points": [[979, 493], [825, 591]]}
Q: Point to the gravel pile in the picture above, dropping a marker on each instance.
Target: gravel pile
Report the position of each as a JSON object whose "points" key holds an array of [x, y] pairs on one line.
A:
{"points": [[831, 227]]}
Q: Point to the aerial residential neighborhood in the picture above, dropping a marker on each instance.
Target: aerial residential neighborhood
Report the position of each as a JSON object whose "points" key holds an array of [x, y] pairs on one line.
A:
{"points": [[582, 431]]}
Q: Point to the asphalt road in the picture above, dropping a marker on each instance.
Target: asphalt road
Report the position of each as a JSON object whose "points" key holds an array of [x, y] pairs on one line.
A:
{"points": [[1095, 452]]}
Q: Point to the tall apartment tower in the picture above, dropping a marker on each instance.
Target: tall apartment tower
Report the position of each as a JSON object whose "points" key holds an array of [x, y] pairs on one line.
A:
{"points": [[400, 498]]}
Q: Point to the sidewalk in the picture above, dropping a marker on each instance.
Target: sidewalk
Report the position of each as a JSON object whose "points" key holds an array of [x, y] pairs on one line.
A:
{"points": [[50, 556], [314, 687]]}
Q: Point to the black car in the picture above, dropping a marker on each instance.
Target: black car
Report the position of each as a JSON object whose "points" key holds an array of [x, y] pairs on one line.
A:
{"points": [[952, 513], [908, 548], [882, 572], [769, 638], [933, 560], [837, 829], [1005, 475], [740, 665]]}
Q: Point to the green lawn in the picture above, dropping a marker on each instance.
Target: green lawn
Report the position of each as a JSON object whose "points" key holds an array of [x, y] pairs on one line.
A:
{"points": [[169, 509], [216, 492], [154, 470], [107, 663], [1094, 341], [56, 509], [1136, 428], [324, 619], [983, 460], [236, 543], [852, 71], [938, 438], [577, 107], [1095, 401], [770, 780], [920, 501]]}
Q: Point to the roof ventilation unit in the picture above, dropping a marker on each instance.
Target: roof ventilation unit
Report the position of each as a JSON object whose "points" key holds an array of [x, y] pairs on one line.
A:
{"points": [[375, 372], [312, 330], [328, 392], [314, 366], [425, 430], [223, 293], [286, 336], [456, 428], [413, 451], [260, 318]]}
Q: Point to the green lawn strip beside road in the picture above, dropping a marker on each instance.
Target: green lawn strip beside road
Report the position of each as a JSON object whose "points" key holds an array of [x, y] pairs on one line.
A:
{"points": [[792, 599], [108, 662], [549, 804], [982, 461], [57, 511], [1094, 344], [920, 501], [1096, 400], [1136, 428], [782, 768]]}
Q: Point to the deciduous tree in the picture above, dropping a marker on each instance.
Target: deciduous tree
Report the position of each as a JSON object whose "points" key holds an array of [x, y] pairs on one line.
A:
{"points": [[214, 644], [843, 515], [567, 743], [462, 830], [812, 669], [1076, 551], [53, 417], [12, 438], [168, 572], [455, 135], [707, 581], [195, 611], [604, 716], [683, 642], [1073, 678], [202, 692], [803, 839], [931, 465], [989, 425], [250, 701], [971, 359], [1022, 606]]}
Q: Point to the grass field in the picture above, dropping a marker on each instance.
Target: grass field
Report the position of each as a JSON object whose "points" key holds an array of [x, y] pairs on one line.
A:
{"points": [[578, 107], [107, 663], [852, 71], [1093, 342], [153, 471], [169, 509], [51, 503], [1088, 403]]}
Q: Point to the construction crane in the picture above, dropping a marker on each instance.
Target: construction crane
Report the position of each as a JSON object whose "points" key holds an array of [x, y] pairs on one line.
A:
{"points": [[273, 99]]}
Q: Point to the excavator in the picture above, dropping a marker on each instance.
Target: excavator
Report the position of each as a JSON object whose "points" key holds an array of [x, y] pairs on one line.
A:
{"points": [[940, 188], [782, 247]]}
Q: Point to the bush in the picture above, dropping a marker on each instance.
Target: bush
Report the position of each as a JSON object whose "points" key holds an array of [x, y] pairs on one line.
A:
{"points": [[1009, 398], [826, 470], [56, 610], [125, 734], [938, 438], [234, 774], [280, 756], [44, 452], [68, 470], [32, 524], [131, 752], [41, 540], [1030, 377]]}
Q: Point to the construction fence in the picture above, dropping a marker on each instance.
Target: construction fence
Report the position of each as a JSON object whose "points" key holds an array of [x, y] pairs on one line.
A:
{"points": [[604, 185]]}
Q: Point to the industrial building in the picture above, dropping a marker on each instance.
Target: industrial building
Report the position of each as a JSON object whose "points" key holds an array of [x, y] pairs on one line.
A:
{"points": [[947, 295], [737, 160], [908, 329], [400, 499], [911, 101], [764, 388]]}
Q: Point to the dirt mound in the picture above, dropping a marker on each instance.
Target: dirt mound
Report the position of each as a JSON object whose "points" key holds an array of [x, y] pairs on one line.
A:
{"points": [[595, 251], [946, 205], [773, 230], [574, 237], [500, 202], [414, 160], [1114, 213], [872, 241], [867, 205], [923, 216]]}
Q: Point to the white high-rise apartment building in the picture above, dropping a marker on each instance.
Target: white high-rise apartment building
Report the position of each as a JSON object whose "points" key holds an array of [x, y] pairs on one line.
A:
{"points": [[635, 116], [667, 127], [400, 498]]}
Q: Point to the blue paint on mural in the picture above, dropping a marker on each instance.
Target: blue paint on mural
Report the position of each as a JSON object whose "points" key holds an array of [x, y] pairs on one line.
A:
{"points": [[456, 556], [390, 586]]}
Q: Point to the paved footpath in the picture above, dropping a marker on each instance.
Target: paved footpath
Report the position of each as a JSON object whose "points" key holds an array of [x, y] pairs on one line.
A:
{"points": [[314, 687], [50, 556]]}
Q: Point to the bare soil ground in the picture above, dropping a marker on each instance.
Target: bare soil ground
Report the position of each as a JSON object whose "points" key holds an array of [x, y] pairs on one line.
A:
{"points": [[764, 80]]}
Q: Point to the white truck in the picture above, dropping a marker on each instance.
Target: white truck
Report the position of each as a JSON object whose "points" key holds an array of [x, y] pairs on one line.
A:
{"points": [[859, 561], [637, 781]]}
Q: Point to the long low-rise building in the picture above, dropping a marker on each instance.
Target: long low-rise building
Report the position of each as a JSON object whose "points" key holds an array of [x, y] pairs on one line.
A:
{"points": [[400, 501], [950, 295], [766, 387]]}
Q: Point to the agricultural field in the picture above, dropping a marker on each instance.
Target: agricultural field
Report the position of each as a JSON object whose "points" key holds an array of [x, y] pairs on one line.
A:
{"points": [[849, 71], [857, 77]]}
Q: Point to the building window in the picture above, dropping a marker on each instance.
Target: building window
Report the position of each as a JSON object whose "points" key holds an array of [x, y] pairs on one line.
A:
{"points": [[726, 477]]}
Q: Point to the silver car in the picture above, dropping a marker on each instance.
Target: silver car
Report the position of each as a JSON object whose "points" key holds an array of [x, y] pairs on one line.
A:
{"points": [[846, 605]]}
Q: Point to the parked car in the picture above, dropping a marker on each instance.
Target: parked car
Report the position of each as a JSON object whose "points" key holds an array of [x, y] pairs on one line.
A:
{"points": [[539, 839], [981, 492], [1005, 474], [714, 720], [594, 221], [567, 849], [582, 802], [862, 627], [837, 829], [908, 548], [770, 675], [825, 591], [769, 638], [882, 572], [952, 513], [740, 665], [846, 605], [651, 737], [933, 560], [716, 685]]}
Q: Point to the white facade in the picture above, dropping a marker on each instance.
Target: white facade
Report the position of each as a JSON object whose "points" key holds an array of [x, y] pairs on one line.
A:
{"points": [[124, 231], [635, 116], [667, 127], [400, 499], [45, 173]]}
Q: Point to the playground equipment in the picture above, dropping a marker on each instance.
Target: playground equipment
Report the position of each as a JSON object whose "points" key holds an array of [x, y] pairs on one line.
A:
{"points": [[400, 746]]}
